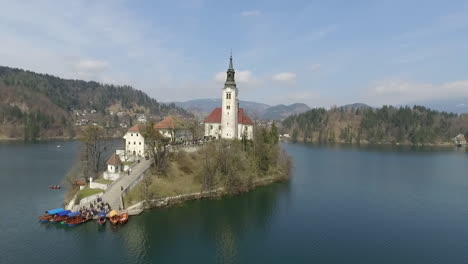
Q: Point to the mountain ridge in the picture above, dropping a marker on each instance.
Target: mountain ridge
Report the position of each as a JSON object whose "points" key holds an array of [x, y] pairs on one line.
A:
{"points": [[203, 107]]}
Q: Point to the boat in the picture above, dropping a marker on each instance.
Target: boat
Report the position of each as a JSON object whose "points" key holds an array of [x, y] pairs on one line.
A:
{"points": [[60, 216], [55, 187], [102, 218], [123, 217], [49, 214], [78, 220], [70, 218], [114, 217]]}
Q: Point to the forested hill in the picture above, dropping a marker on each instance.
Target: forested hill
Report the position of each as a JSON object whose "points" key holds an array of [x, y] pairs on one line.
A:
{"points": [[36, 105], [405, 125]]}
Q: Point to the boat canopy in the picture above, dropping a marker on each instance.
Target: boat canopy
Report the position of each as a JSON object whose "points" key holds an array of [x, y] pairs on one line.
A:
{"points": [[113, 213], [55, 211], [73, 214], [64, 213], [102, 214]]}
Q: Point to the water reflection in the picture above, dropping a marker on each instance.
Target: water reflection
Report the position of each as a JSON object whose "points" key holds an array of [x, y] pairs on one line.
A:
{"points": [[172, 234]]}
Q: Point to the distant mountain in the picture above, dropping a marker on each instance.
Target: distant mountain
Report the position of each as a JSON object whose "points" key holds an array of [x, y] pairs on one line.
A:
{"points": [[355, 106], [202, 107], [36, 105], [457, 105], [280, 112]]}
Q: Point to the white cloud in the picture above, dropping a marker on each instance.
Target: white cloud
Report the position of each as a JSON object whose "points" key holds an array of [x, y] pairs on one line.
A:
{"points": [[461, 105], [89, 69], [401, 92], [284, 76], [247, 13]]}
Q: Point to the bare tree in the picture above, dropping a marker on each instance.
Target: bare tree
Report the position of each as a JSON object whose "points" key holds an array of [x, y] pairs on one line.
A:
{"points": [[157, 147], [93, 148]]}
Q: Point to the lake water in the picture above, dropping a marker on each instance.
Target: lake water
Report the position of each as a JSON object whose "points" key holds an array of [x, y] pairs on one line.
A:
{"points": [[343, 205]]}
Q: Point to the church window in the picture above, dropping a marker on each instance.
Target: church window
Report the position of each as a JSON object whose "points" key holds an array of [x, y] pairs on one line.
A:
{"points": [[140, 143], [219, 127], [129, 142], [211, 126], [228, 96], [228, 107], [131, 134], [134, 142]]}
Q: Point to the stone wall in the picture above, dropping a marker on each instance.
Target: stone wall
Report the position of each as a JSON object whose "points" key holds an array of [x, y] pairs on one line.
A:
{"points": [[89, 199], [95, 185]]}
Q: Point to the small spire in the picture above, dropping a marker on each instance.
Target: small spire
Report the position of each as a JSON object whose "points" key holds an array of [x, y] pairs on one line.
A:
{"points": [[230, 62]]}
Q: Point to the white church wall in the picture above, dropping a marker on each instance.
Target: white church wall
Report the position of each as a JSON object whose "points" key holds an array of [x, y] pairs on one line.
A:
{"points": [[212, 129]]}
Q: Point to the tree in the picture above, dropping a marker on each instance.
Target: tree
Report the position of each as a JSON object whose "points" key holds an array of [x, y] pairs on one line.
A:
{"points": [[93, 148], [157, 149], [274, 133]]}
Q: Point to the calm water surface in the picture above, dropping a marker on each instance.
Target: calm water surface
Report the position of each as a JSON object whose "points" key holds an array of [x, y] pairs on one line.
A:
{"points": [[343, 205]]}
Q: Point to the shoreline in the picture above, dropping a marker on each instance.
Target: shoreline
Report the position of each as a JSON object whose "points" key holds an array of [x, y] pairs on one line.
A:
{"points": [[218, 193], [366, 143]]}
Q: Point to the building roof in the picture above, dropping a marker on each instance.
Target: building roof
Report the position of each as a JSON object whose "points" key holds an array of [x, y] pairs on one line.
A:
{"points": [[215, 117], [114, 160], [170, 122], [137, 128]]}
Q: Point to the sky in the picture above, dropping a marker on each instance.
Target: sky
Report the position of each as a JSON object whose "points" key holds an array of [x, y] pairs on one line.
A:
{"points": [[321, 53]]}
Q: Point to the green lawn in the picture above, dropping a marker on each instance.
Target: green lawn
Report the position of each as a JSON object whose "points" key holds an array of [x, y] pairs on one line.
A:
{"points": [[87, 192], [103, 181], [127, 163]]}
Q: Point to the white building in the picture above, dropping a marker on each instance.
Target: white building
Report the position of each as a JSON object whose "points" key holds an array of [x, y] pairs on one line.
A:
{"points": [[171, 127], [229, 121], [114, 167], [134, 141], [174, 129]]}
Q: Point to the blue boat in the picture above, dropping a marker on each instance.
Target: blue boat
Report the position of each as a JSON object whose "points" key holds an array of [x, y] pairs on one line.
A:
{"points": [[50, 214], [70, 217], [60, 216]]}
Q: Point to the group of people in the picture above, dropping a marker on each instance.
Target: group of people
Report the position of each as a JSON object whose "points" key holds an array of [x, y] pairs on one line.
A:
{"points": [[95, 208]]}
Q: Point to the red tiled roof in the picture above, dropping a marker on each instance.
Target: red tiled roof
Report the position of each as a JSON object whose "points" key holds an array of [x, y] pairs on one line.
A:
{"points": [[114, 160], [136, 128], [215, 117], [244, 119], [169, 122]]}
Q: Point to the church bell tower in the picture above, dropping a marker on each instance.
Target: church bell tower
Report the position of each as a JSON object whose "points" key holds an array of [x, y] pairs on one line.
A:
{"points": [[230, 105]]}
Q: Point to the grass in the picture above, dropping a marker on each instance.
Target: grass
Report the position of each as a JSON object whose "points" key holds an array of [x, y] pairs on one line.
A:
{"points": [[87, 192], [103, 181], [180, 178], [127, 163]]}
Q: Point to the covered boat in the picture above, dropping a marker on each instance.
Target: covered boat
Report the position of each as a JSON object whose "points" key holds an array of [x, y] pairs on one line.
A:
{"points": [[102, 218], [114, 217], [50, 214], [60, 216], [71, 217]]}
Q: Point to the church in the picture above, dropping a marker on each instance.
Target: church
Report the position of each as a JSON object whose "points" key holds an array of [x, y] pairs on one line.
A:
{"points": [[229, 121]]}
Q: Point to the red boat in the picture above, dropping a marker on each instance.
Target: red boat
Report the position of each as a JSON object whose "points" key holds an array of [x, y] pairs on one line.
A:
{"points": [[78, 220], [60, 216], [114, 219], [123, 218], [54, 187]]}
